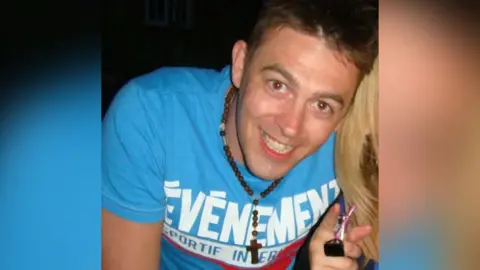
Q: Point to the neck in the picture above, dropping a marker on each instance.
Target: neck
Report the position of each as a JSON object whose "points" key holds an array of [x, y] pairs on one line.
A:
{"points": [[231, 130]]}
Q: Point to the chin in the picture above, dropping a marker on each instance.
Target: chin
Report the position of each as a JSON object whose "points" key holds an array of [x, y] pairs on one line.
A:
{"points": [[264, 167]]}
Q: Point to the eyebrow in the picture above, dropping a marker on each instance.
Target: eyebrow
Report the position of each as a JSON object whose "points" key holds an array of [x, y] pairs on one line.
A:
{"points": [[289, 77]]}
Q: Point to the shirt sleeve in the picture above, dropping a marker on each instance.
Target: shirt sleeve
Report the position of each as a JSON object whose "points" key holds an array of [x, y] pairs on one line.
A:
{"points": [[132, 157]]}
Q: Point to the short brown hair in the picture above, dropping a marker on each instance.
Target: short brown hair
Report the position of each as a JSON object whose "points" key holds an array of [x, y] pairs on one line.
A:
{"points": [[349, 26]]}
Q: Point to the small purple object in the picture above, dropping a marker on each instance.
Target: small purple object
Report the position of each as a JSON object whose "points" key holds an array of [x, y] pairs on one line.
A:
{"points": [[334, 247]]}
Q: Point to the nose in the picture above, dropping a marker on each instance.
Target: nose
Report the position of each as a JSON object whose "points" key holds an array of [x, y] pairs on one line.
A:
{"points": [[291, 121]]}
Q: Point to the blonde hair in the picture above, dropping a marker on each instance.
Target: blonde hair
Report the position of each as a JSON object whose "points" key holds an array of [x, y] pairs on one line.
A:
{"points": [[356, 149]]}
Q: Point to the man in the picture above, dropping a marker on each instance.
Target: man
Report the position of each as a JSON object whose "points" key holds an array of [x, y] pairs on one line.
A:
{"points": [[225, 170]]}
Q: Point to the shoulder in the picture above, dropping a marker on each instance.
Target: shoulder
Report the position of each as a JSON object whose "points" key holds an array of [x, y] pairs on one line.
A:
{"points": [[177, 80], [156, 92]]}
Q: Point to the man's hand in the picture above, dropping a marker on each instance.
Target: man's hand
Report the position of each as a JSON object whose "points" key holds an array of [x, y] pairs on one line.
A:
{"points": [[324, 233]]}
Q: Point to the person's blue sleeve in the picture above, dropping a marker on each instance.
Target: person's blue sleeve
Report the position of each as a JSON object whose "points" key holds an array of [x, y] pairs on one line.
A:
{"points": [[132, 156]]}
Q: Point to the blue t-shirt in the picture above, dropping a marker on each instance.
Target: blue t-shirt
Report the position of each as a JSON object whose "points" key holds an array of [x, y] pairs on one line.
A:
{"points": [[163, 160]]}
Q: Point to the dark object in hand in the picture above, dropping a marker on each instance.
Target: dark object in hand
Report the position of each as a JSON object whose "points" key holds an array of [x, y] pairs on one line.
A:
{"points": [[334, 248]]}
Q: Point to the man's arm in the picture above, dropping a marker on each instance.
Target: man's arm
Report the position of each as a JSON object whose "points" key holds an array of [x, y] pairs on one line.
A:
{"points": [[127, 245], [133, 198]]}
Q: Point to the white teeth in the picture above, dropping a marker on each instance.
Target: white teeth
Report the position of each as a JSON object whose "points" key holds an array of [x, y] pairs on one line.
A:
{"points": [[276, 146]]}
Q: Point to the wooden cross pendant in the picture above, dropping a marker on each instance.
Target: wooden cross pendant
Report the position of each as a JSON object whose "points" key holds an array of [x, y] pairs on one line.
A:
{"points": [[253, 249]]}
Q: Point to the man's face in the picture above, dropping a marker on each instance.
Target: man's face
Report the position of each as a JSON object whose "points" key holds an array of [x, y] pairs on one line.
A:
{"points": [[294, 92]]}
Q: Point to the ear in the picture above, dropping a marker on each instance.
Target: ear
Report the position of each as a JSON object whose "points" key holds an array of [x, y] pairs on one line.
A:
{"points": [[239, 53]]}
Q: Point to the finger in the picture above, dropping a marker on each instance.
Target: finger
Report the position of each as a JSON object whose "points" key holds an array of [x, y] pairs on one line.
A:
{"points": [[352, 250], [357, 234], [340, 263], [325, 234], [331, 218]]}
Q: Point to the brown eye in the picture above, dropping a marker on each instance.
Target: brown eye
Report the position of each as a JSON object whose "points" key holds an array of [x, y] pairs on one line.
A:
{"points": [[277, 86], [323, 106]]}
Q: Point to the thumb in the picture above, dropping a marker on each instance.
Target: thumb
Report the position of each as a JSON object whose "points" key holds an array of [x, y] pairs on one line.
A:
{"points": [[331, 218]]}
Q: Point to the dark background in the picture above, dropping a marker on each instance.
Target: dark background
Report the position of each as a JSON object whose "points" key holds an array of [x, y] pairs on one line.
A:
{"points": [[140, 36]]}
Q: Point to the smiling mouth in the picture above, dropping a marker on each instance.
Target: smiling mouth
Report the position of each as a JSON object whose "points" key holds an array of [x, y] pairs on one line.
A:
{"points": [[275, 147]]}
